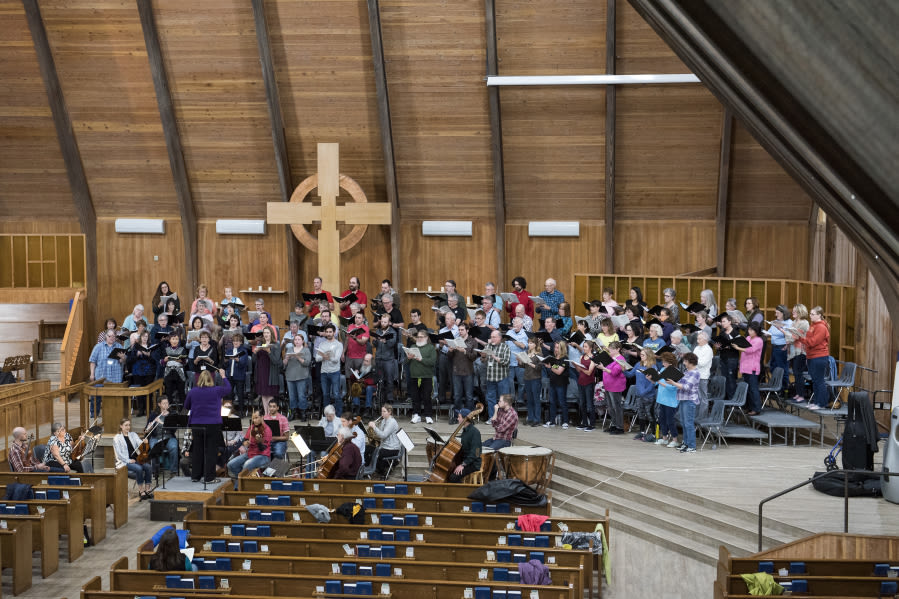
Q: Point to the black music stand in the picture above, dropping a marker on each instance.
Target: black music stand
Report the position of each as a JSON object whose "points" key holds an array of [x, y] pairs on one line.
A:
{"points": [[315, 439], [174, 422], [154, 454]]}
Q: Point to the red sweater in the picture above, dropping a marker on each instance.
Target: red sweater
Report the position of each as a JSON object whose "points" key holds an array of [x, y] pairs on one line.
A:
{"points": [[817, 340]]}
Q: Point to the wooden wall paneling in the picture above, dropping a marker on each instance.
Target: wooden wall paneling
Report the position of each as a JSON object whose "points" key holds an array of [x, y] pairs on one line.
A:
{"points": [[639, 48], [539, 258], [760, 189], [246, 261], [767, 249], [470, 261], [279, 142], [128, 273], [212, 63], [172, 139], [674, 246], [667, 154], [31, 163], [81, 195], [496, 140], [439, 110], [386, 129], [41, 227], [102, 62], [323, 60], [554, 138]]}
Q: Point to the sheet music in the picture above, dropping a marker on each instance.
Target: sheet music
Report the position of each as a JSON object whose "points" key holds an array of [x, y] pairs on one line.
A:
{"points": [[300, 444], [405, 440]]}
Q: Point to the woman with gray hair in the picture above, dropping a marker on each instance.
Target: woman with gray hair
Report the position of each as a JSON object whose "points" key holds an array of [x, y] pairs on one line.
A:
{"points": [[59, 450], [668, 297], [654, 341], [707, 299]]}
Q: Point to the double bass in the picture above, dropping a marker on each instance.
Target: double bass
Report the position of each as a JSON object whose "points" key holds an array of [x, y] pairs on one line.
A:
{"points": [[329, 462], [448, 456]]}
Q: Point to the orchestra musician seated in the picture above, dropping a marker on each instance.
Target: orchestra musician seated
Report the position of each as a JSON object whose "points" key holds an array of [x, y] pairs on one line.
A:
{"points": [[386, 431], [350, 459], [504, 422], [20, 454], [470, 452], [159, 434], [279, 442], [59, 451], [126, 445], [256, 451], [346, 420]]}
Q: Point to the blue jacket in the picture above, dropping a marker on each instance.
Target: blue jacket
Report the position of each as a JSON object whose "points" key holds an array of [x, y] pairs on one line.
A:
{"points": [[645, 387]]}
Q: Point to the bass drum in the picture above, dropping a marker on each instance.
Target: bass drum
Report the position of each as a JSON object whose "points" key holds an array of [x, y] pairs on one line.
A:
{"points": [[531, 465], [488, 460]]}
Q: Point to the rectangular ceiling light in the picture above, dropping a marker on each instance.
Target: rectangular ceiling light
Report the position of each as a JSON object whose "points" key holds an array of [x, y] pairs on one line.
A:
{"points": [[447, 228], [140, 225], [590, 79], [236, 226], [554, 228]]}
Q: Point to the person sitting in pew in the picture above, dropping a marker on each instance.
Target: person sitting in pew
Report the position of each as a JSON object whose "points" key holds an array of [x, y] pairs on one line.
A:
{"points": [[20, 454], [168, 556], [350, 459]]}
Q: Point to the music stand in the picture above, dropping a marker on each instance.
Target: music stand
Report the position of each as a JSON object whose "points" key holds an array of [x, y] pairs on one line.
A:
{"points": [[435, 435], [274, 426], [154, 453], [315, 439], [173, 422]]}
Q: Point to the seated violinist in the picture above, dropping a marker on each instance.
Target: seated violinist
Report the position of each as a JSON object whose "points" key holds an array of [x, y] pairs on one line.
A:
{"points": [[256, 451], [350, 459], [127, 449], [20, 453]]}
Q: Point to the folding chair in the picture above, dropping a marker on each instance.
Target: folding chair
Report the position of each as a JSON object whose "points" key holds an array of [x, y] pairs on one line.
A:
{"points": [[713, 424], [738, 401], [846, 380], [772, 387]]}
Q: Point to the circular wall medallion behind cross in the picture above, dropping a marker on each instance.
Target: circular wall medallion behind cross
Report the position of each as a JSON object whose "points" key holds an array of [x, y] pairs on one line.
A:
{"points": [[304, 236]]}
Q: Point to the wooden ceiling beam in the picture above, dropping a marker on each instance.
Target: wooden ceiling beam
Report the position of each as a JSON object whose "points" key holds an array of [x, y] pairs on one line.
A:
{"points": [[81, 195], [611, 44], [496, 146], [727, 132], [386, 127], [172, 140], [279, 137]]}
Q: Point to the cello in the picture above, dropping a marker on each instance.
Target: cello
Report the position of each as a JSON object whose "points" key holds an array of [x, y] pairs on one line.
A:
{"points": [[447, 457], [330, 460]]}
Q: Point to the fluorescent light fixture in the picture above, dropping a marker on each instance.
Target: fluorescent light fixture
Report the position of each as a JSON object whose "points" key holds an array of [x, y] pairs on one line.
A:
{"points": [[447, 228], [236, 226], [140, 225], [554, 228], [590, 79]]}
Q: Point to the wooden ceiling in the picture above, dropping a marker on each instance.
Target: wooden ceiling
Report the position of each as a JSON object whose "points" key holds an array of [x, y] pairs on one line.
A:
{"points": [[667, 146]]}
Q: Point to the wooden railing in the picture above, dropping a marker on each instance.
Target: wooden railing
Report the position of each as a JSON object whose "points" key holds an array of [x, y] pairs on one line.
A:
{"points": [[42, 261], [838, 301], [37, 413], [70, 367]]}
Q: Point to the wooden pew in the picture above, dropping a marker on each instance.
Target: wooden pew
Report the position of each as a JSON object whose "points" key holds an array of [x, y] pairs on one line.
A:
{"points": [[841, 586], [280, 585], [247, 482], [419, 503], [355, 532], [15, 553], [441, 570], [115, 488], [813, 567], [71, 518], [449, 552], [44, 537], [94, 505], [438, 520]]}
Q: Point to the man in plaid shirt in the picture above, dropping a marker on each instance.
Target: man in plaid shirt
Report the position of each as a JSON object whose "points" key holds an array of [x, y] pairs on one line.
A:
{"points": [[20, 453], [498, 358], [505, 421]]}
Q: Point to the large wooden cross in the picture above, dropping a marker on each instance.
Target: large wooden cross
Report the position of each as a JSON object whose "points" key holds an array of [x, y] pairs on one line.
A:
{"points": [[328, 245]]}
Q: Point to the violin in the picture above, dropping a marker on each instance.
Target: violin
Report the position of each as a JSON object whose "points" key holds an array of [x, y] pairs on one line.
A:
{"points": [[78, 449], [449, 455], [330, 461]]}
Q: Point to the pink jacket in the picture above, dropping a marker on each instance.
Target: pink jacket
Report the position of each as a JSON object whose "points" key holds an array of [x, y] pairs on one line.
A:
{"points": [[751, 359]]}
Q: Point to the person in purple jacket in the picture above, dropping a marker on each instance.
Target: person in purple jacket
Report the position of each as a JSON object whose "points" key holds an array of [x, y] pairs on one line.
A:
{"points": [[204, 404]]}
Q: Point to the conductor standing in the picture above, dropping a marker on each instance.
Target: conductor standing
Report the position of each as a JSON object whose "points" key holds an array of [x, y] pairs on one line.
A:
{"points": [[204, 403]]}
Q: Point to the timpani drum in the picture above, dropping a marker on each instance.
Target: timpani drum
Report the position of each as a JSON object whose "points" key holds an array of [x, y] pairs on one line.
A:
{"points": [[488, 459], [531, 465]]}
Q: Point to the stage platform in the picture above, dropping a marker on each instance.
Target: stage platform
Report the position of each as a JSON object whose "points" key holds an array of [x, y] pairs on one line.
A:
{"points": [[181, 496]]}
